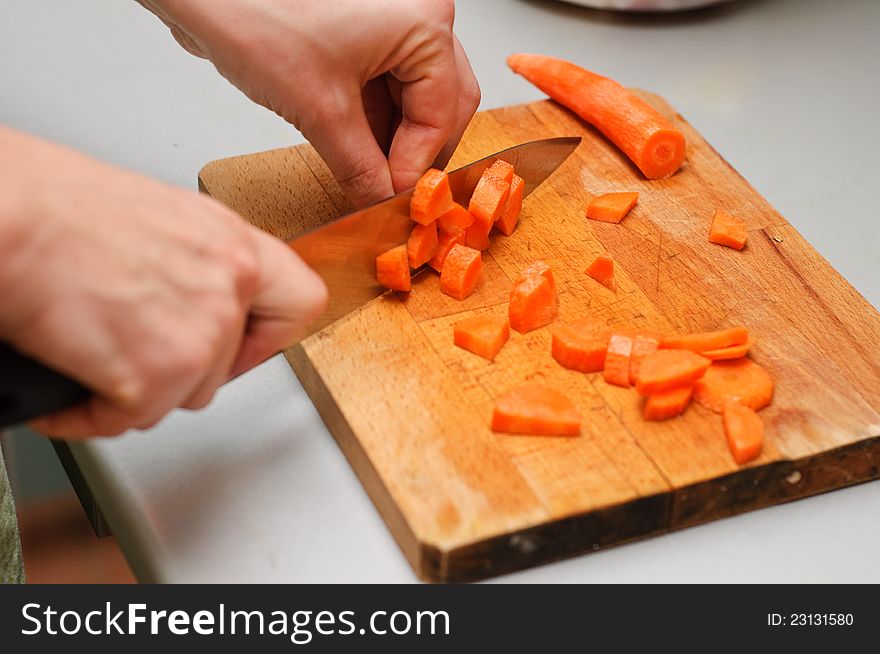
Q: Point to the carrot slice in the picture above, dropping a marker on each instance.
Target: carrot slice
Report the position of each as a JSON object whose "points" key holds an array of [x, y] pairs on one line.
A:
{"points": [[742, 380], [447, 240], [617, 360], [484, 334], [422, 244], [611, 207], [667, 404], [461, 272], [702, 341], [538, 268], [533, 303], [456, 219], [643, 345], [728, 230], [507, 222], [489, 197], [503, 170], [602, 270], [392, 269], [730, 352], [431, 197], [651, 142], [476, 238], [577, 348], [666, 369], [536, 409], [745, 431]]}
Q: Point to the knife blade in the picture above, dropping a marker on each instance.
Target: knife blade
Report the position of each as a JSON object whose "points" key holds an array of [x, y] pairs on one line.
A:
{"points": [[343, 252]]}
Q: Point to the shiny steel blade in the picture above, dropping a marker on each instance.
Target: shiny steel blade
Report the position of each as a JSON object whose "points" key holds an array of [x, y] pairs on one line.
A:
{"points": [[344, 251]]}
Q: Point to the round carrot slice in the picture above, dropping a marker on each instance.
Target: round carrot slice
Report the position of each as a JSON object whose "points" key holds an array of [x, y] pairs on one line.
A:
{"points": [[731, 352], [742, 380]]}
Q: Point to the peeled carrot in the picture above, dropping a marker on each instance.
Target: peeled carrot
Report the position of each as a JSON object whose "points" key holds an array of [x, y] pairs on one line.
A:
{"points": [[538, 268], [422, 244], [392, 269], [484, 334], [533, 303], [578, 348], [507, 222], [476, 238], [730, 352], [698, 342], [536, 409], [742, 380], [653, 144], [617, 360], [490, 195], [745, 431], [667, 369], [611, 207], [643, 345], [456, 219], [667, 404], [461, 272], [728, 230], [447, 240], [602, 270], [431, 197]]}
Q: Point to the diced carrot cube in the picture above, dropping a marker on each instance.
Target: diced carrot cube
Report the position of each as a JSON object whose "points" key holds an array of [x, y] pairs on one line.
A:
{"points": [[392, 269]]}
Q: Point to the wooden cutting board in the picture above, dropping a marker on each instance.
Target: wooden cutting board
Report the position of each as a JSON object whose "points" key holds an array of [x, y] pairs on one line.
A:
{"points": [[411, 411]]}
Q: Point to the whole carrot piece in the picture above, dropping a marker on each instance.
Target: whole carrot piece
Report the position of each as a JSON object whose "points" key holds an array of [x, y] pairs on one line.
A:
{"points": [[653, 144]]}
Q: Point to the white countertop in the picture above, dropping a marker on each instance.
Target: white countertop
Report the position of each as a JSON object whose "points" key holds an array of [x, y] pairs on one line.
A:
{"points": [[254, 488]]}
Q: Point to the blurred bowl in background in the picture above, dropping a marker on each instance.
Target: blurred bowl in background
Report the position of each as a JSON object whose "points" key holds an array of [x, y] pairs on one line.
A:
{"points": [[645, 5]]}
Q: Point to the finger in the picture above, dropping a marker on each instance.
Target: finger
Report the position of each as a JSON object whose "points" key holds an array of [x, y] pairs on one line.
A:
{"points": [[379, 109], [289, 297], [97, 416], [468, 103], [218, 373], [428, 114]]}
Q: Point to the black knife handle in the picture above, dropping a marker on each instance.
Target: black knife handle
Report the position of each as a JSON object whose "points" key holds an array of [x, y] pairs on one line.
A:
{"points": [[29, 389]]}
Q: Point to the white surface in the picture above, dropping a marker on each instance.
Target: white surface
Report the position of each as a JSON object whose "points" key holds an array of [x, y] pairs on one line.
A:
{"points": [[254, 488]]}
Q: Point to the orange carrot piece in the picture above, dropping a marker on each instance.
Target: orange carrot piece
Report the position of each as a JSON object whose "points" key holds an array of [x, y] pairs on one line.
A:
{"points": [[577, 348], [745, 431], [392, 269], [742, 380], [484, 334], [461, 272], [503, 170], [602, 270], [611, 207], [536, 409], [651, 142], [701, 341], [728, 230], [422, 244], [667, 404], [538, 268], [730, 352], [489, 198], [431, 197], [617, 360], [533, 303], [456, 219], [447, 240], [507, 222], [476, 238], [666, 369], [643, 345]]}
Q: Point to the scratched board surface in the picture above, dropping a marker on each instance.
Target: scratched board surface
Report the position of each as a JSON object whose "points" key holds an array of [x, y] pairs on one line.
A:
{"points": [[411, 411]]}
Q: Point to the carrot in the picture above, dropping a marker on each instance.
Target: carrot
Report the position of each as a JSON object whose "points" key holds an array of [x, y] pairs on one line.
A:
{"points": [[484, 334], [651, 142], [617, 360], [533, 303], [643, 345], [507, 222], [503, 170], [538, 268], [745, 431], [729, 352], [667, 404], [742, 380], [392, 269], [667, 369], [447, 240], [728, 230], [422, 244], [578, 348], [602, 270], [490, 195], [431, 197], [476, 238], [701, 341], [536, 409], [611, 207], [461, 272], [456, 219]]}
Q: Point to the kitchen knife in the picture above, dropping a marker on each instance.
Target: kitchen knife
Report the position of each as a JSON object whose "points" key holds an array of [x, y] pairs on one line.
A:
{"points": [[343, 252]]}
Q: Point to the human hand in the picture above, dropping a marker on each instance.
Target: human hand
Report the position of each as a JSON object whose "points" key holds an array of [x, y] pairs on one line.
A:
{"points": [[382, 89], [149, 295]]}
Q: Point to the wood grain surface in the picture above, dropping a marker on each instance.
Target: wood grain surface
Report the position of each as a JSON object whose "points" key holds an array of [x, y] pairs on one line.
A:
{"points": [[411, 411]]}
